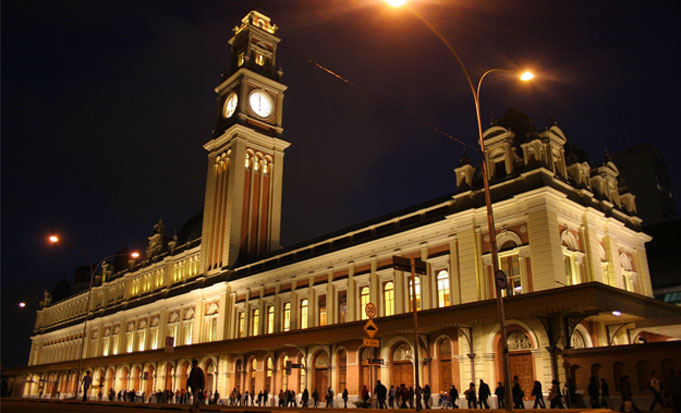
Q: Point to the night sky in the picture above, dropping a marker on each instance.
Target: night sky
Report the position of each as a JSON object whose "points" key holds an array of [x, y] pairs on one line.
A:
{"points": [[106, 106]]}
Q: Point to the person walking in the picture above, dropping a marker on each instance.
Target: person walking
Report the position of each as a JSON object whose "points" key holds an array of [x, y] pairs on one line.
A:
{"points": [[87, 383], [592, 389], [555, 399], [625, 389], [483, 394], [454, 396], [655, 388], [196, 382], [329, 397], [538, 395], [391, 397], [305, 398], [345, 398], [518, 394], [605, 393], [315, 398], [470, 396], [500, 392], [426, 396], [381, 392]]}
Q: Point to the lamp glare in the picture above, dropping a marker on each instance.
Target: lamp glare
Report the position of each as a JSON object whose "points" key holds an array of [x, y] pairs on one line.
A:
{"points": [[526, 76], [53, 239], [396, 3]]}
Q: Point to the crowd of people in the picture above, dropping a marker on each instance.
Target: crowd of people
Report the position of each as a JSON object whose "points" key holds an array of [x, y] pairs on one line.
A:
{"points": [[665, 394]]}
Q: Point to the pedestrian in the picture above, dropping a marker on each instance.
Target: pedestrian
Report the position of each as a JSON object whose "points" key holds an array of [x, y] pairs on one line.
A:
{"points": [[315, 398], [592, 389], [454, 396], [112, 394], [675, 390], [391, 397], [364, 394], [345, 398], [605, 393], [470, 396], [196, 382], [87, 383], [266, 398], [381, 393], [555, 399], [403, 396], [304, 398], [500, 392], [410, 397], [100, 394], [216, 397], [539, 395], [655, 388], [625, 389], [426, 396], [518, 394], [418, 393], [483, 394], [329, 397]]}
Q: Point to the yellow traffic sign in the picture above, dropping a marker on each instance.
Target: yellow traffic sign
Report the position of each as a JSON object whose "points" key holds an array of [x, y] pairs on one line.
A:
{"points": [[369, 342], [371, 328]]}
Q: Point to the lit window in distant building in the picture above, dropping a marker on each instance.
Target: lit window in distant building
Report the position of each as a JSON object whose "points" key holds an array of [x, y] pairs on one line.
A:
{"points": [[417, 286], [242, 321], [321, 304], [255, 322], [270, 319], [363, 301], [287, 317], [303, 313], [443, 289], [342, 305], [389, 298]]}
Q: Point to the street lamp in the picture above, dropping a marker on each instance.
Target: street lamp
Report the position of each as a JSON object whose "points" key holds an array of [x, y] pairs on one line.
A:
{"points": [[54, 239], [499, 275]]}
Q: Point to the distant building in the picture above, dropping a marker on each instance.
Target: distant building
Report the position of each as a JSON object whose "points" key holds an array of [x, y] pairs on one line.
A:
{"points": [[645, 175], [261, 317]]}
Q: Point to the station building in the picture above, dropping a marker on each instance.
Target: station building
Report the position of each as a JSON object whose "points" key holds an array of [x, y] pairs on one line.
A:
{"points": [[579, 298]]}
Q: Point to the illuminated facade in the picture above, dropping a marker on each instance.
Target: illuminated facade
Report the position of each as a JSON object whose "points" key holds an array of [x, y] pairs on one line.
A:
{"points": [[232, 298]]}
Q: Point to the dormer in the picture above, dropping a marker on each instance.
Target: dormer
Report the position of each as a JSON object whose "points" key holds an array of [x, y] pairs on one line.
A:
{"points": [[464, 173], [604, 182], [554, 139], [578, 167], [499, 153]]}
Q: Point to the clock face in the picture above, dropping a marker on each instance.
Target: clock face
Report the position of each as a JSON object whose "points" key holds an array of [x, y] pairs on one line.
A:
{"points": [[230, 105], [261, 103]]}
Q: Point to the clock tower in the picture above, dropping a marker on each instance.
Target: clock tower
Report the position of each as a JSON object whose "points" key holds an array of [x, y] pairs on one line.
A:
{"points": [[242, 209]]}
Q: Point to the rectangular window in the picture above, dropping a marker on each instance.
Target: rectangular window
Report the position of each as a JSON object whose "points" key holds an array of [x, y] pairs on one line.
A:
{"points": [[255, 316], [303, 313], [213, 329], [129, 337], [287, 317], [389, 298], [418, 294], [105, 346], [363, 301], [242, 321], [511, 266], [342, 305], [270, 319], [259, 59], [443, 288], [188, 332], [114, 345], [141, 336], [322, 310], [154, 338]]}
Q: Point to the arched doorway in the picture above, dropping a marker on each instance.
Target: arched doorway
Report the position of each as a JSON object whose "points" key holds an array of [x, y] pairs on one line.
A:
{"points": [[444, 353], [124, 373], [342, 363], [284, 377], [520, 358], [184, 375], [135, 378], [596, 371], [149, 380], [252, 369], [401, 367], [321, 372], [617, 373], [109, 383], [238, 374], [268, 373], [302, 373], [210, 375], [170, 372]]}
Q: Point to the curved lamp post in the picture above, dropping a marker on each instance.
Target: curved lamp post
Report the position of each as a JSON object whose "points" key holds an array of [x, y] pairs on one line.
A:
{"points": [[488, 201], [54, 239]]}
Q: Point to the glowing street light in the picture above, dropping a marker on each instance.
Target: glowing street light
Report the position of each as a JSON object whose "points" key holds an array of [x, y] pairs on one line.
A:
{"points": [[526, 76], [53, 239], [22, 304]]}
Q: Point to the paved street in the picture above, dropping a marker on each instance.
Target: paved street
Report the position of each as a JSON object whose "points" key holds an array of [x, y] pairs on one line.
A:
{"points": [[68, 406]]}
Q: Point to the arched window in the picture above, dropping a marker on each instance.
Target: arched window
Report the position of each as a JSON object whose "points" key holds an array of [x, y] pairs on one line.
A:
{"points": [[510, 264], [253, 368], [287, 317], [342, 369], [571, 257], [443, 289], [270, 319], [255, 322], [417, 287], [303, 313], [268, 375], [363, 301], [577, 340], [389, 298], [284, 377]]}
